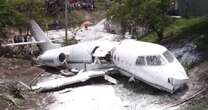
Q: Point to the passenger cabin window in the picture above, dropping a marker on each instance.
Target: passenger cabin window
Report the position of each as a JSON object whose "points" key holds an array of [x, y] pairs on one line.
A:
{"points": [[155, 60], [169, 56], [114, 57], [140, 61], [117, 58]]}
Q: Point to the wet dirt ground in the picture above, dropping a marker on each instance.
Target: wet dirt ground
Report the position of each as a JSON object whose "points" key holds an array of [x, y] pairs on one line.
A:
{"points": [[129, 96], [12, 69]]}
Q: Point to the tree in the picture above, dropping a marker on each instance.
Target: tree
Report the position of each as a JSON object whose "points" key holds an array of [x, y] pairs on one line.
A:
{"points": [[8, 16], [125, 12], [154, 15], [18, 12], [151, 14], [31, 9]]}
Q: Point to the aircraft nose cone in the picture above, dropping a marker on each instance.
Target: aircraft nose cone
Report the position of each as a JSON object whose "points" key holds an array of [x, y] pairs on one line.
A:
{"points": [[177, 83], [176, 71]]}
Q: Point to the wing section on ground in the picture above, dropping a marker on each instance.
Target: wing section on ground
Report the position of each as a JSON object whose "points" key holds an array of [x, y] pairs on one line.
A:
{"points": [[64, 81]]}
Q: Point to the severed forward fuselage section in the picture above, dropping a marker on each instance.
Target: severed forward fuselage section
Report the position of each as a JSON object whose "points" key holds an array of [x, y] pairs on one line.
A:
{"points": [[147, 62]]}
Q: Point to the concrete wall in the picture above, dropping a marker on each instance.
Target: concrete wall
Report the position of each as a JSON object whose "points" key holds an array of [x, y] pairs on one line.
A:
{"points": [[196, 7]]}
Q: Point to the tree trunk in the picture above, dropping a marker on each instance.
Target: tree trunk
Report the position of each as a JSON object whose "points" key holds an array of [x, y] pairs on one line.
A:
{"points": [[123, 28], [160, 35]]}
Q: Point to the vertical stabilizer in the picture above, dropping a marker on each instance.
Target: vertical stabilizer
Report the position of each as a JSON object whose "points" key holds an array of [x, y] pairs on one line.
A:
{"points": [[40, 36]]}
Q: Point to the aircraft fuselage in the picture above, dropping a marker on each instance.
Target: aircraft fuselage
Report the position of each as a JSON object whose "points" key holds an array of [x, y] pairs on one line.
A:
{"points": [[148, 62]]}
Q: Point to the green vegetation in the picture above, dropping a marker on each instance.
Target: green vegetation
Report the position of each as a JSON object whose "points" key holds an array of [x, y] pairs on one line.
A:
{"points": [[102, 4], [8, 16], [75, 18], [18, 12], [202, 43], [150, 14], [195, 26]]}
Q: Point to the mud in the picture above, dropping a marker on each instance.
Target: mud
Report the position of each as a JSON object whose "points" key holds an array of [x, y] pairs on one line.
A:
{"points": [[12, 69]]}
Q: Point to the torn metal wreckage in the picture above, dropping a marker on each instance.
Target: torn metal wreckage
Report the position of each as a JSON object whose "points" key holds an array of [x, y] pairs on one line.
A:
{"points": [[151, 63]]}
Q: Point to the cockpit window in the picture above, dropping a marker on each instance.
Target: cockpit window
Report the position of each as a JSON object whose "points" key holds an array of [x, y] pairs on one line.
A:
{"points": [[155, 60], [169, 56], [140, 61]]}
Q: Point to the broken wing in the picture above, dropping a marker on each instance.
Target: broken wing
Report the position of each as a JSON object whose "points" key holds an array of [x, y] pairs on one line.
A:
{"points": [[64, 81]]}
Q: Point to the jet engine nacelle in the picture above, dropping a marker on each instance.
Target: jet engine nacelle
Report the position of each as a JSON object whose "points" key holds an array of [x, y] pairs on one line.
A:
{"points": [[52, 59]]}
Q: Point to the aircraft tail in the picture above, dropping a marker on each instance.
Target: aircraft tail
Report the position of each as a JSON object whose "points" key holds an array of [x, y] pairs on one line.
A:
{"points": [[40, 36]]}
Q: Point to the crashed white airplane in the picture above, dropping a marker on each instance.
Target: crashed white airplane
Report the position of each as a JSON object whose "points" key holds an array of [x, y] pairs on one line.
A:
{"points": [[148, 62]]}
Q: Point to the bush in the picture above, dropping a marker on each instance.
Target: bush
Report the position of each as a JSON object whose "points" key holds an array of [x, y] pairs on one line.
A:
{"points": [[202, 43]]}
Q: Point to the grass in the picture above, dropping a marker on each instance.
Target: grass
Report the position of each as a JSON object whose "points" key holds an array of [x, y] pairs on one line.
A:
{"points": [[102, 4], [196, 25], [202, 42], [149, 38], [181, 28]]}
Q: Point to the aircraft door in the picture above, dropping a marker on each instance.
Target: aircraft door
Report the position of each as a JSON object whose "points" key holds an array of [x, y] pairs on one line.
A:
{"points": [[139, 67]]}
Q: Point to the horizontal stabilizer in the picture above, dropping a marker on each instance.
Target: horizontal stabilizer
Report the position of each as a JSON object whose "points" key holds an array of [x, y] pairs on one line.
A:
{"points": [[25, 43]]}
